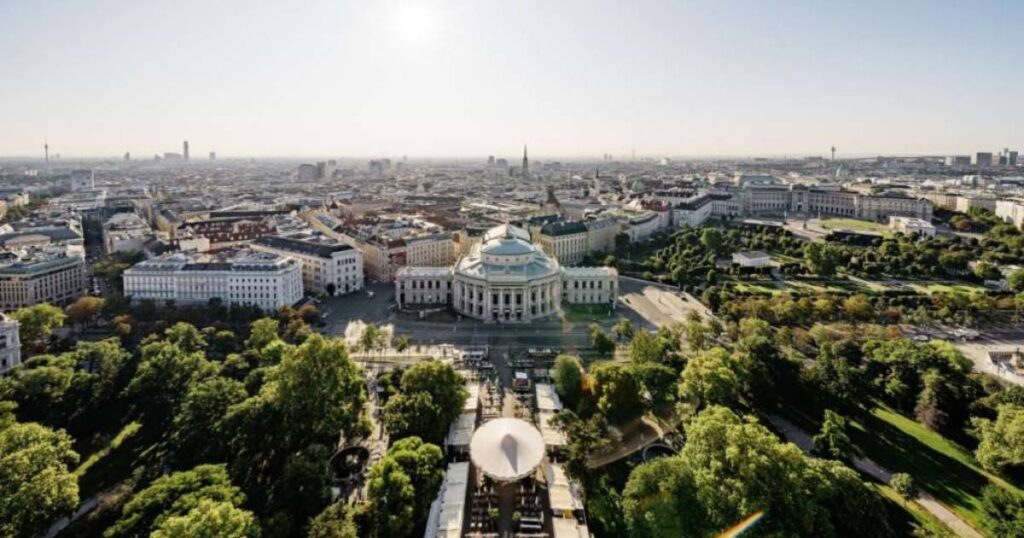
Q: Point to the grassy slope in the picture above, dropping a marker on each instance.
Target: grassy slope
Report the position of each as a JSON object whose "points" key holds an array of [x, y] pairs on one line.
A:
{"points": [[945, 469]]}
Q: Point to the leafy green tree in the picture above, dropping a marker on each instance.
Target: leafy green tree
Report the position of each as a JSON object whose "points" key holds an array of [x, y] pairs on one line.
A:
{"points": [[320, 392], [833, 441], [858, 308], [107, 360], [954, 262], [36, 484], [711, 238], [930, 408], [730, 468], [713, 377], [335, 521], [1004, 511], [1001, 441], [261, 333], [41, 385], [1016, 281], [392, 498], [371, 338], [304, 487], [618, 393], [424, 464], [172, 495], [697, 334], [904, 485], [583, 438], [164, 376], [197, 434], [821, 258], [839, 372], [987, 271], [402, 343], [430, 397], [568, 377], [658, 381], [660, 500], [623, 329], [210, 519], [599, 340], [646, 347], [37, 322], [186, 337]]}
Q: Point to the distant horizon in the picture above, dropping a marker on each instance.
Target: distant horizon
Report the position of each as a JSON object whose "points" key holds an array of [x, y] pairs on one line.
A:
{"points": [[512, 160]]}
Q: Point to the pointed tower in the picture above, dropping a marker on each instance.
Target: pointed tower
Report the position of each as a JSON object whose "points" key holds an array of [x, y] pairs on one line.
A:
{"points": [[526, 164]]}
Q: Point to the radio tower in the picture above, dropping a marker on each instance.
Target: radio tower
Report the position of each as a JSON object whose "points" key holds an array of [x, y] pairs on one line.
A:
{"points": [[46, 151], [833, 155]]}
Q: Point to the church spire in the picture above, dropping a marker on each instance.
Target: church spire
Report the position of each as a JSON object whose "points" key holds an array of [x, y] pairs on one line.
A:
{"points": [[526, 163]]}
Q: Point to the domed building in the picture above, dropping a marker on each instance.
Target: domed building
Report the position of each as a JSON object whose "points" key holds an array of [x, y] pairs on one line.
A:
{"points": [[506, 278]]}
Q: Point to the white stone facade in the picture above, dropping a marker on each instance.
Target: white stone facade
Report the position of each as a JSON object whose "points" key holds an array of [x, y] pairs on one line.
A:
{"points": [[261, 279], [505, 278], [326, 268]]}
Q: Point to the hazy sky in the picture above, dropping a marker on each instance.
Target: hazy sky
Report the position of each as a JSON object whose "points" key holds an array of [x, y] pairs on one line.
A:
{"points": [[479, 77]]}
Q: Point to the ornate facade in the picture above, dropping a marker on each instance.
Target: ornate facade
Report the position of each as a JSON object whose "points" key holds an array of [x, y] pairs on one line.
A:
{"points": [[506, 278]]}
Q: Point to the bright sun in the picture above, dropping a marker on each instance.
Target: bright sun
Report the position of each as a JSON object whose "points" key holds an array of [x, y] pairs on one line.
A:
{"points": [[415, 21]]}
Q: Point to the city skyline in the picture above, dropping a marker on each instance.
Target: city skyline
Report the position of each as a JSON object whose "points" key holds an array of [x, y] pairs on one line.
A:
{"points": [[435, 78]]}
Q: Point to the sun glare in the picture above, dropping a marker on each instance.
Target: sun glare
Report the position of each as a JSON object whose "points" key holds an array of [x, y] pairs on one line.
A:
{"points": [[415, 21]]}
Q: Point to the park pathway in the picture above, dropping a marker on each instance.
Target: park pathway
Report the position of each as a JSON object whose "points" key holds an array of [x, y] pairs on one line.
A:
{"points": [[802, 439], [84, 508]]}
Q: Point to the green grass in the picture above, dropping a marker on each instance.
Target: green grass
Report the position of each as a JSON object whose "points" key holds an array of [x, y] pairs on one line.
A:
{"points": [[855, 225], [591, 312], [905, 515], [940, 287], [767, 287], [943, 468], [776, 287], [127, 432]]}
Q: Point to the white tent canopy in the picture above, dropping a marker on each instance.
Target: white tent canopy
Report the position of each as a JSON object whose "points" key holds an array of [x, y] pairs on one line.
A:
{"points": [[506, 449]]}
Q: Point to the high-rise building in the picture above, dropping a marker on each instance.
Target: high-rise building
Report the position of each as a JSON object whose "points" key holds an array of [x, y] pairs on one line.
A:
{"points": [[958, 160], [127, 156], [1011, 158], [307, 172], [82, 180], [526, 164], [184, 150], [490, 160], [213, 155], [983, 158]]}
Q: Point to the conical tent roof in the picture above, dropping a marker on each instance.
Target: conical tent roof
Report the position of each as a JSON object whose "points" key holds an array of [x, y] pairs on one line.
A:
{"points": [[507, 449]]}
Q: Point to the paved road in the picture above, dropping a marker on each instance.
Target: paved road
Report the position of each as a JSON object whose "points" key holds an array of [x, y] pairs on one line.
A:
{"points": [[802, 439], [648, 305]]}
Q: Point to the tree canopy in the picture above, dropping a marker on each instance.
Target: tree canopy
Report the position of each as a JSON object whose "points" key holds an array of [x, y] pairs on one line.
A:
{"points": [[36, 484], [429, 398]]}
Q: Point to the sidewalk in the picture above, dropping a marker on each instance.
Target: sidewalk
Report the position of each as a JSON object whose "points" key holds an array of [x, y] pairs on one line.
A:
{"points": [[802, 439]]}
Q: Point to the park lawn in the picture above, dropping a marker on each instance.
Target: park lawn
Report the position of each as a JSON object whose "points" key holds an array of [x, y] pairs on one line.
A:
{"points": [[775, 287], [590, 312], [854, 224], [768, 287], [111, 462], [783, 258], [941, 287], [904, 515], [943, 468]]}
